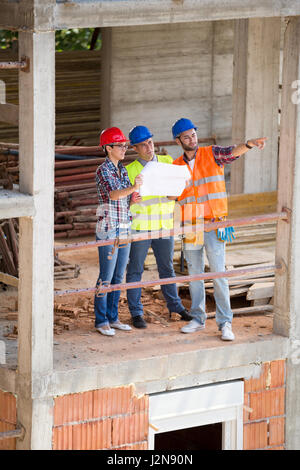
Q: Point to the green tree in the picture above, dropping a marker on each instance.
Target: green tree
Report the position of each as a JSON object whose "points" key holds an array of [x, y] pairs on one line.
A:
{"points": [[79, 39], [8, 39]]}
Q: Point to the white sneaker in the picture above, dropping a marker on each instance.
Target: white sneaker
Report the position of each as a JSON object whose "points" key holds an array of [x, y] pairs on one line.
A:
{"points": [[192, 326], [106, 331], [227, 334], [120, 326]]}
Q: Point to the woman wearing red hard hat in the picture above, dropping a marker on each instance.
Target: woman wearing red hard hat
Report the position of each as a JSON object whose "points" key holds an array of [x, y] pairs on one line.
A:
{"points": [[114, 220]]}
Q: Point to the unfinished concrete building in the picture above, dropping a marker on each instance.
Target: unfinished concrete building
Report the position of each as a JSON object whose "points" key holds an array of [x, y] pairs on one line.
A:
{"points": [[131, 395]]}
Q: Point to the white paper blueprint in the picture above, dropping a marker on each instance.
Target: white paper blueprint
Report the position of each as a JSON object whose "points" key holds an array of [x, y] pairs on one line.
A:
{"points": [[164, 179]]}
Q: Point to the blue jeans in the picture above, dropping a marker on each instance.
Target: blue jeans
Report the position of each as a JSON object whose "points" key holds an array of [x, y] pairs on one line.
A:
{"points": [[215, 251], [163, 249], [111, 272]]}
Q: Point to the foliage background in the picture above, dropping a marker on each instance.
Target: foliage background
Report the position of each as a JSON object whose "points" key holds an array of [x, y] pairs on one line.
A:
{"points": [[65, 39]]}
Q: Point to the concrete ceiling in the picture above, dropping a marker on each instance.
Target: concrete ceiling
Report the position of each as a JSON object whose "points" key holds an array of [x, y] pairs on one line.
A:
{"points": [[41, 15]]}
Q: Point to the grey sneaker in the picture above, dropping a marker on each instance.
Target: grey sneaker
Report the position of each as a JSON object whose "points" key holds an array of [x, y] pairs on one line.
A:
{"points": [[192, 326], [106, 331], [120, 326], [227, 334]]}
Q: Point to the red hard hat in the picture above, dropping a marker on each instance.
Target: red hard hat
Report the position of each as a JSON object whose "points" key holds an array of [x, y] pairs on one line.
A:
{"points": [[112, 135]]}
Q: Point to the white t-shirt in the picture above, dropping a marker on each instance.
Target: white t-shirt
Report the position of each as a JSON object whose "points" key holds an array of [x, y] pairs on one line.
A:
{"points": [[192, 163]]}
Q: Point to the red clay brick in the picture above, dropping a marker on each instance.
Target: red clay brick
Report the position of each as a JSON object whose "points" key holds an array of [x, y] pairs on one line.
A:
{"points": [[277, 373], [7, 444], [137, 446], [73, 408], [94, 435], [255, 435], [276, 431], [267, 404], [130, 429], [246, 407], [276, 448], [111, 402], [259, 384], [8, 407], [62, 438], [139, 404]]}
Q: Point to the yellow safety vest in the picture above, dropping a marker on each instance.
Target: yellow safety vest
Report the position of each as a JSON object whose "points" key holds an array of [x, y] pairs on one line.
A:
{"points": [[154, 212]]}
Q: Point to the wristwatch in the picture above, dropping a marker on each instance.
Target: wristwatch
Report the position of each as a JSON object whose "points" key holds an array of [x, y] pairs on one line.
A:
{"points": [[248, 146]]}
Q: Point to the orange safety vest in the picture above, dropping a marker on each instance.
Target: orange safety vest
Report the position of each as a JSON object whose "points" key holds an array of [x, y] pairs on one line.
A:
{"points": [[207, 187]]}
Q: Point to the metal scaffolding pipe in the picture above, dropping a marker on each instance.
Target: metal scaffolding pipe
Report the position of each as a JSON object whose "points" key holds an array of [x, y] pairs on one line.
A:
{"points": [[19, 432], [173, 280], [253, 220], [22, 64]]}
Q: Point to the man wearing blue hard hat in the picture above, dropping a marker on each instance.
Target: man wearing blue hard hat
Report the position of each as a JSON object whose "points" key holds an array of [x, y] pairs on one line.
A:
{"points": [[207, 188], [150, 213]]}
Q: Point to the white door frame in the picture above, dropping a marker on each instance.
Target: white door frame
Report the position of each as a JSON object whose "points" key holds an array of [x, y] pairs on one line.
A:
{"points": [[222, 402]]}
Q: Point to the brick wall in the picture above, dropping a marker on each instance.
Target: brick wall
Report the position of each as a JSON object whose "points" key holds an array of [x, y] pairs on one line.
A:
{"points": [[117, 419], [264, 411], [101, 419], [8, 419]]}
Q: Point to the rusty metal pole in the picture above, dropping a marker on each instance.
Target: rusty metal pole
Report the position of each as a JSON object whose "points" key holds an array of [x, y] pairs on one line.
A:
{"points": [[253, 220], [171, 280], [22, 64], [18, 432]]}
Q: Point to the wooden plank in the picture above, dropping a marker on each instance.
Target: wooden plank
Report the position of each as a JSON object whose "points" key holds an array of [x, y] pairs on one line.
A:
{"points": [[256, 203], [256, 310], [261, 291], [9, 113], [77, 79], [9, 280]]}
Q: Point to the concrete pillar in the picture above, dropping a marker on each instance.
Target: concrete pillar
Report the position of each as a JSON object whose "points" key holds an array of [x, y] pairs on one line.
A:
{"points": [[286, 296], [255, 102], [35, 326]]}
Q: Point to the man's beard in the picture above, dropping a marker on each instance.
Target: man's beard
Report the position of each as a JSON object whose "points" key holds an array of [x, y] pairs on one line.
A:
{"points": [[188, 148]]}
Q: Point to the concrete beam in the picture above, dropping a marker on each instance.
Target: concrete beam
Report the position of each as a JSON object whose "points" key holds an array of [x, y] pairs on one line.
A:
{"points": [[255, 98], [14, 204], [286, 295], [167, 372], [79, 13], [36, 239], [27, 15], [63, 14]]}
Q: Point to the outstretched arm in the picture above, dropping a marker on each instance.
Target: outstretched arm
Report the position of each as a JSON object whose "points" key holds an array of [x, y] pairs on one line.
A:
{"points": [[243, 148]]}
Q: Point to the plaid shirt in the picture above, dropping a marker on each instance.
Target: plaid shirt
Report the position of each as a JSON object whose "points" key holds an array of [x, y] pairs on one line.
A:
{"points": [[222, 155], [112, 215]]}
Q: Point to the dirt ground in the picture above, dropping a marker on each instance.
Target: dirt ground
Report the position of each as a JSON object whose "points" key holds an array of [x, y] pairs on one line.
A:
{"points": [[78, 344]]}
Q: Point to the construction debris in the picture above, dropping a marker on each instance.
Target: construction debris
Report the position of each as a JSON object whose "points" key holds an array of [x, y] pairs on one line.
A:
{"points": [[9, 256], [9, 247]]}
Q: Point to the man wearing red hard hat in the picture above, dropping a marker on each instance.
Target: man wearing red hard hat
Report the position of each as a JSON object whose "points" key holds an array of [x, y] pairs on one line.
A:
{"points": [[114, 220]]}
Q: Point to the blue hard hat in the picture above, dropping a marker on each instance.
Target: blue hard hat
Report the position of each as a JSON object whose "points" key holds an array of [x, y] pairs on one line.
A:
{"points": [[182, 125], [139, 134]]}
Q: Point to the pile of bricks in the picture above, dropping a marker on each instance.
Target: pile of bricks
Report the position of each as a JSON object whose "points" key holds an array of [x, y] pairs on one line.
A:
{"points": [[71, 317]]}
